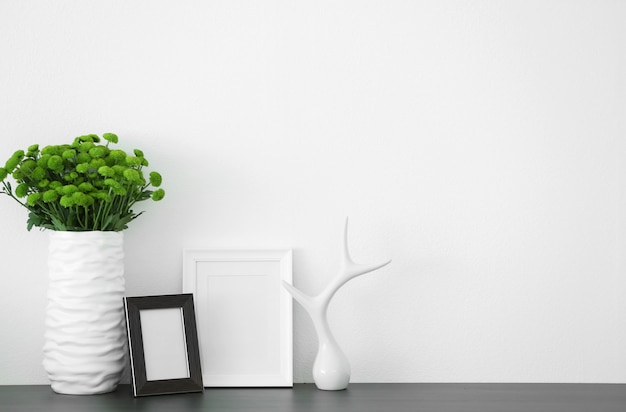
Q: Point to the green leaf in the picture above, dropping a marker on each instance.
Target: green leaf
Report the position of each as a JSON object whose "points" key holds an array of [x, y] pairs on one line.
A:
{"points": [[58, 225], [33, 220], [122, 223], [106, 223], [146, 194]]}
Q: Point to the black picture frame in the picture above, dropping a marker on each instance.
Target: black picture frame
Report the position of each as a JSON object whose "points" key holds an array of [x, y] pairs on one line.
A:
{"points": [[141, 385]]}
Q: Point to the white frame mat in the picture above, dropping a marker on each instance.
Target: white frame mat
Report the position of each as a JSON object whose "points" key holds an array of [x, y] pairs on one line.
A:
{"points": [[244, 315]]}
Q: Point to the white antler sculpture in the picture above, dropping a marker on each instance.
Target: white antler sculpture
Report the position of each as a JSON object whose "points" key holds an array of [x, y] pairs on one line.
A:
{"points": [[331, 370]]}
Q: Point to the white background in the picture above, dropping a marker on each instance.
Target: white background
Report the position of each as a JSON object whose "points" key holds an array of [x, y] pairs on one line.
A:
{"points": [[478, 144]]}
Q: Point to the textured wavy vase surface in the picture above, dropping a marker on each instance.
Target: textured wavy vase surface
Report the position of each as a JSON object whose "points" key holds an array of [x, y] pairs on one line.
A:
{"points": [[85, 346]]}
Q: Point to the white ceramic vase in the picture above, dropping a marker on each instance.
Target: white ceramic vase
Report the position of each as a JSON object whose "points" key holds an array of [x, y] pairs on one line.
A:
{"points": [[331, 369], [85, 342]]}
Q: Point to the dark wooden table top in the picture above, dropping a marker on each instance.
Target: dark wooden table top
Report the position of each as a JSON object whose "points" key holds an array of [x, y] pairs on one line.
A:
{"points": [[363, 397]]}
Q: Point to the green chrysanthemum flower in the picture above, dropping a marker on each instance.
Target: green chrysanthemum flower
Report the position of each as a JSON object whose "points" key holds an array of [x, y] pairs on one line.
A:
{"points": [[133, 161], [106, 183], [66, 201], [110, 137], [98, 151], [50, 196], [85, 147], [11, 164], [142, 180], [155, 179], [43, 160], [83, 157], [15, 160], [18, 175], [55, 163], [115, 186], [101, 195], [71, 177], [69, 154], [119, 170], [82, 199], [21, 190], [132, 175], [39, 173], [55, 185], [106, 171], [69, 189], [89, 138], [118, 156], [158, 195], [49, 150], [33, 198], [97, 163], [86, 187], [28, 166], [82, 168]]}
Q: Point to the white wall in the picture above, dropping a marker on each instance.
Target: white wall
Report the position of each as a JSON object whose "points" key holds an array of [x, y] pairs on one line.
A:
{"points": [[479, 144]]}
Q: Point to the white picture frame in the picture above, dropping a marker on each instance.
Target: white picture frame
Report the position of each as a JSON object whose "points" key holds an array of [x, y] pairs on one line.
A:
{"points": [[244, 315]]}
